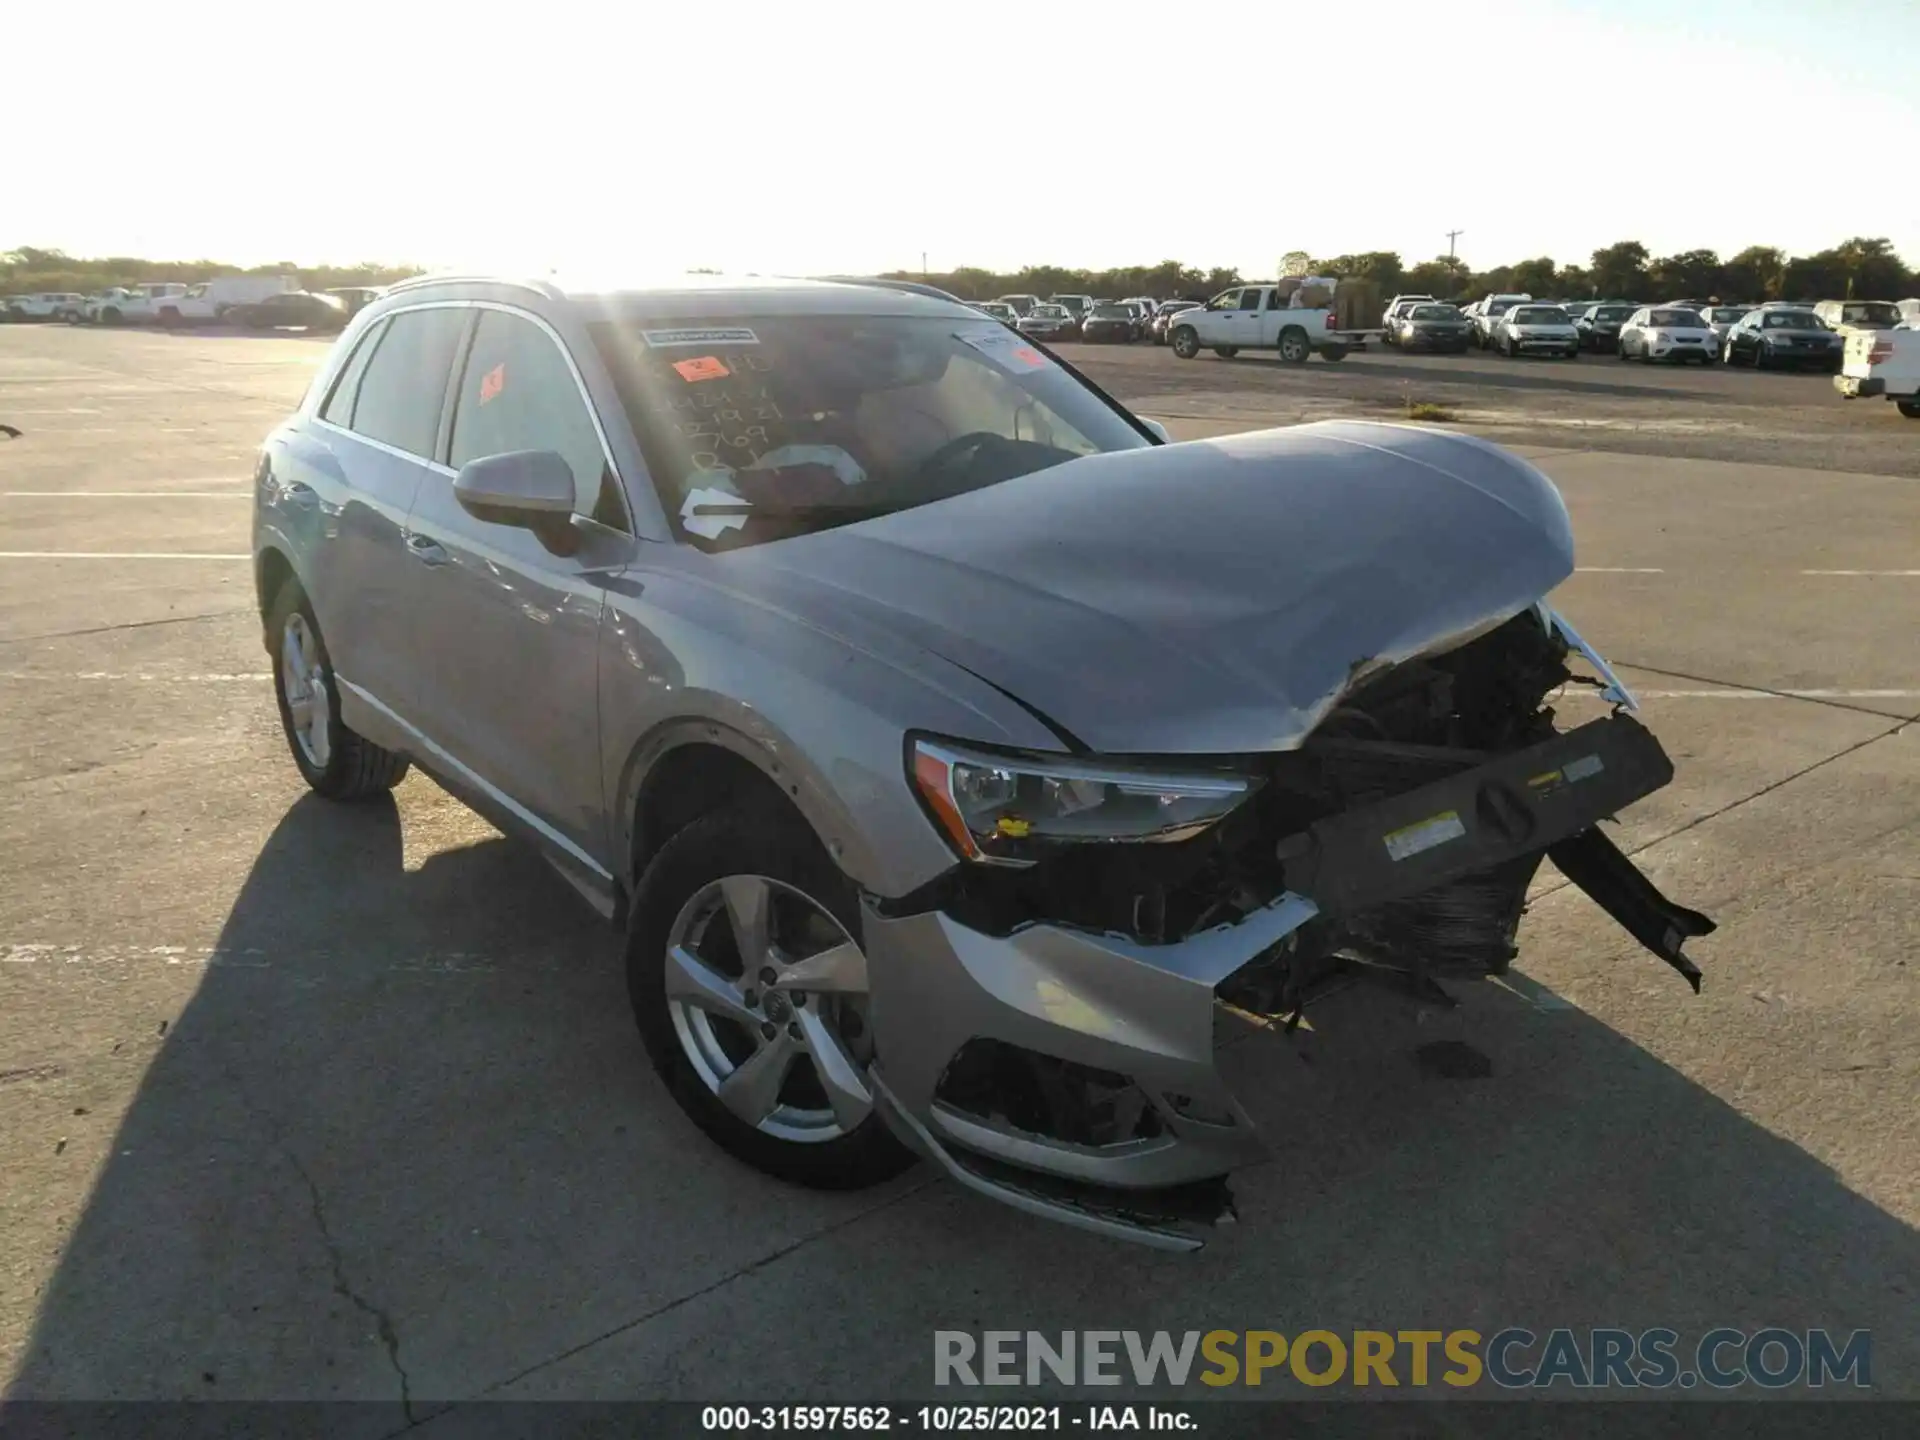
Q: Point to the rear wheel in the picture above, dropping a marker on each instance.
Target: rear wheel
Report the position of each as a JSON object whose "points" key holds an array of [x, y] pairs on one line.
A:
{"points": [[335, 761], [1294, 345], [1909, 408], [1333, 352], [749, 986], [1186, 343]]}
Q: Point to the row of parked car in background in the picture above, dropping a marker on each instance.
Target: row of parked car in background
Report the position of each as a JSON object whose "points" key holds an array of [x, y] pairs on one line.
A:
{"points": [[1774, 334], [251, 302]]}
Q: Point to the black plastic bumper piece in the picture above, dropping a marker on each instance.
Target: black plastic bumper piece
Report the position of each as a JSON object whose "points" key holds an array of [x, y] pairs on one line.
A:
{"points": [[1594, 863]]}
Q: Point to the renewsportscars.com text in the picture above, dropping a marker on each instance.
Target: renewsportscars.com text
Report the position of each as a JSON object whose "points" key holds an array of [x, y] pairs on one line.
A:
{"points": [[1514, 1358]]}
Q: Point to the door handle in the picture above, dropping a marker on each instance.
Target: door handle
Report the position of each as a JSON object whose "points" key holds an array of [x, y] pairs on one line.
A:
{"points": [[427, 552]]}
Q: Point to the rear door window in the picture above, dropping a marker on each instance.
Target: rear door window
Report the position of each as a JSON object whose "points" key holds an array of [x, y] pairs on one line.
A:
{"points": [[519, 393], [404, 385], [338, 409]]}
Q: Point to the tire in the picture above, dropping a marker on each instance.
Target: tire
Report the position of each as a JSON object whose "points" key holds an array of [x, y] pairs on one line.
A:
{"points": [[1909, 408], [1760, 358], [110, 315], [688, 874], [339, 764], [1294, 346], [1574, 353], [1186, 343], [1226, 352], [1335, 353]]}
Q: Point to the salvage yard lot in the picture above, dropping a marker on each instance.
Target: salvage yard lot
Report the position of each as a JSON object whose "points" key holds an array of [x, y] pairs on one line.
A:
{"points": [[307, 1101]]}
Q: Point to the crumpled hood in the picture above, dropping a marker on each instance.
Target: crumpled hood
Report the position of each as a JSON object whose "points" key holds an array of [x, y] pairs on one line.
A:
{"points": [[1210, 597]]}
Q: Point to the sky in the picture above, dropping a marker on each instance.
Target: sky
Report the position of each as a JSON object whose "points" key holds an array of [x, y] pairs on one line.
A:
{"points": [[846, 136]]}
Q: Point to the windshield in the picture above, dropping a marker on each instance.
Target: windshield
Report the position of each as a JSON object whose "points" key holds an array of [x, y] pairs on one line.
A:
{"points": [[1870, 312], [1435, 312], [1048, 312], [1791, 320], [1112, 312], [1684, 319], [1499, 307], [799, 423], [1725, 314], [1612, 312], [1539, 315]]}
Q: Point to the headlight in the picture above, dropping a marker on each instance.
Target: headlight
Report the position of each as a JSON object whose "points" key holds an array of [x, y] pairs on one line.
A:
{"points": [[1013, 809]]}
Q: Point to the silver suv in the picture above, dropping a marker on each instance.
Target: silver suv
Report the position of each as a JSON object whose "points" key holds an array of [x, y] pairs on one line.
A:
{"points": [[952, 749]]}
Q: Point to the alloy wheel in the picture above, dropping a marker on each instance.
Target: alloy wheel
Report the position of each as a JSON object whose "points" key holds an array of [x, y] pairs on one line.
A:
{"points": [[768, 996], [303, 681]]}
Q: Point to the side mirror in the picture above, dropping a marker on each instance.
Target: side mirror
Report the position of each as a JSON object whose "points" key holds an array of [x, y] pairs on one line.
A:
{"points": [[532, 489], [1159, 430]]}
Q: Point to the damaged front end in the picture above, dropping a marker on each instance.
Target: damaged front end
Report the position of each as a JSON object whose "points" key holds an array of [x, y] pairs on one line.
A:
{"points": [[1067, 982]]}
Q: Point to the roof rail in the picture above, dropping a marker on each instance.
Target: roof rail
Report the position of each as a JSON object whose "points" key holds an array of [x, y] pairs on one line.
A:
{"points": [[462, 277]]}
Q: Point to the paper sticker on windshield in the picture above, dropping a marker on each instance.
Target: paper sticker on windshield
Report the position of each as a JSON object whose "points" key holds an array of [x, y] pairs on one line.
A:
{"points": [[704, 368], [706, 339], [1005, 348], [1435, 830], [493, 382]]}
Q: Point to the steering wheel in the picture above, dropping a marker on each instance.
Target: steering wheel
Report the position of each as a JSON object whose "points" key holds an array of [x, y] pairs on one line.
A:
{"points": [[958, 446]]}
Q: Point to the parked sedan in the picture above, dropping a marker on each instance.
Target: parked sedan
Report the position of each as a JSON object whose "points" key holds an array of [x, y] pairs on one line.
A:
{"points": [[1049, 322], [1537, 330], [1113, 322], [1782, 335], [1723, 318], [946, 747], [1666, 332], [1163, 316], [295, 310], [1431, 327], [999, 310], [1599, 325]]}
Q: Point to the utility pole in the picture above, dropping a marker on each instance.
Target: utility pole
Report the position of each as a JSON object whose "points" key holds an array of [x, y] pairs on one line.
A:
{"points": [[1453, 235], [923, 264]]}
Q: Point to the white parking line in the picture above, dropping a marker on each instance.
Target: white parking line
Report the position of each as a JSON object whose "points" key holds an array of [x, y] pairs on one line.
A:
{"points": [[126, 494], [202, 678], [1861, 572], [114, 555], [1617, 570], [54, 956]]}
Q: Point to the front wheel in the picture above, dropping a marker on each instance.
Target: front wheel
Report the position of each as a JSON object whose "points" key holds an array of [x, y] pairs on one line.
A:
{"points": [[749, 986], [1294, 346], [1186, 343], [1226, 352], [1760, 358], [335, 761], [1909, 408]]}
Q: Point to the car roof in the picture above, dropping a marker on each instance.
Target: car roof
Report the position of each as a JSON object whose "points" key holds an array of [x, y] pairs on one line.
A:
{"points": [[682, 295]]}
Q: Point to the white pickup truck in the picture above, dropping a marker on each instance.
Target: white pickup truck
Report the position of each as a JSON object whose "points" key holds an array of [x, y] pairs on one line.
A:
{"points": [[1260, 317], [1884, 363]]}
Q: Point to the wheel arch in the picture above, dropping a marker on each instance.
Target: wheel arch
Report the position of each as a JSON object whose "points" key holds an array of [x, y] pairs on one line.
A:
{"points": [[692, 767], [272, 569]]}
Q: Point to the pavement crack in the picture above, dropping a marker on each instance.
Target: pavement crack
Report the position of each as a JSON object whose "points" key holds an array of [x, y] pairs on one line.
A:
{"points": [[127, 625], [336, 1263], [668, 1306], [1895, 728], [343, 1287], [1826, 700]]}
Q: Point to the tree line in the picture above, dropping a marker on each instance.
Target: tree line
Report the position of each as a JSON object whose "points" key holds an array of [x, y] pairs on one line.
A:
{"points": [[1864, 267], [31, 271]]}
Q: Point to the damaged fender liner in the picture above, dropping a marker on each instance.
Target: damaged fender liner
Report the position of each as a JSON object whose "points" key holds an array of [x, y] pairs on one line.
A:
{"points": [[1544, 798]]}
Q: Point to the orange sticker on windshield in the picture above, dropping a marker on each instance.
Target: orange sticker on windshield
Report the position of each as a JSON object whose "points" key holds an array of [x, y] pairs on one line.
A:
{"points": [[493, 382], [704, 368]]}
